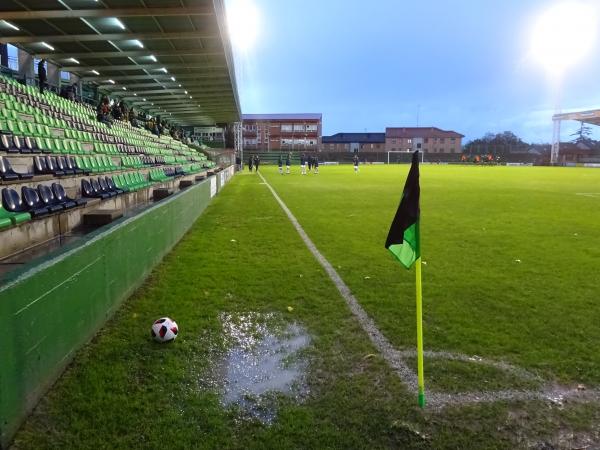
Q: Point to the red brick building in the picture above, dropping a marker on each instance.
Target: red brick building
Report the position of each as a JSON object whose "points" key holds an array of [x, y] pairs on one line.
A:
{"points": [[274, 132], [426, 139]]}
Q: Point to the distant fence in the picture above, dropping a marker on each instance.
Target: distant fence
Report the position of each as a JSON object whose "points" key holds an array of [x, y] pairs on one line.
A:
{"points": [[272, 157]]}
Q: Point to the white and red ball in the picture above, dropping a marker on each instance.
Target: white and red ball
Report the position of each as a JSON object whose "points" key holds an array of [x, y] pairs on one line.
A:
{"points": [[164, 330]]}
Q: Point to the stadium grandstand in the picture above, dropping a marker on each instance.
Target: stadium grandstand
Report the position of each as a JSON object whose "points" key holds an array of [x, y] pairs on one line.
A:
{"points": [[97, 179]]}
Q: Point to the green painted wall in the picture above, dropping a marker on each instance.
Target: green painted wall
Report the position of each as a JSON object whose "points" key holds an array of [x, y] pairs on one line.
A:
{"points": [[49, 310]]}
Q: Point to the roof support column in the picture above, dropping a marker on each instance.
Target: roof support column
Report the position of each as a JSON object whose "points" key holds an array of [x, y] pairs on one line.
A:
{"points": [[53, 73], [554, 152], [25, 65], [4, 55]]}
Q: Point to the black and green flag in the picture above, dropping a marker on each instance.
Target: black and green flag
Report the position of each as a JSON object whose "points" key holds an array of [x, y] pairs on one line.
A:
{"points": [[403, 239]]}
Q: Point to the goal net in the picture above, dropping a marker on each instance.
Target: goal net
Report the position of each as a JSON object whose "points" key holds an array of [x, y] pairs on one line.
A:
{"points": [[401, 157]]}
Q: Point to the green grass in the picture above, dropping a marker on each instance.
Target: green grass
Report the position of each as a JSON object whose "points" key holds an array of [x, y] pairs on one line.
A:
{"points": [[123, 390], [540, 313]]}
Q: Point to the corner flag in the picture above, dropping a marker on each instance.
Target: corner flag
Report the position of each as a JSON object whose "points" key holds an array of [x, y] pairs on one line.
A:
{"points": [[403, 238], [404, 242]]}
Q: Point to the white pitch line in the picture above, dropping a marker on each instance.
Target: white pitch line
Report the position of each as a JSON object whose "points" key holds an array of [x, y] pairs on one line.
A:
{"points": [[395, 358], [390, 354]]}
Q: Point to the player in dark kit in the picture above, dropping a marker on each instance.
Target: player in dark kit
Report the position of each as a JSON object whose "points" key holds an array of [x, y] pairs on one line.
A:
{"points": [[250, 161], [256, 162], [280, 164], [310, 162], [288, 162], [303, 164], [355, 163]]}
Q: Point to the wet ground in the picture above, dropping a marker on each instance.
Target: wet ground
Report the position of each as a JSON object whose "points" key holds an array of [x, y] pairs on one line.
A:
{"points": [[262, 364]]}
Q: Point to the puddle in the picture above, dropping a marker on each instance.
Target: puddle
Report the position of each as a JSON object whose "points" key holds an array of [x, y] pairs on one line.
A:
{"points": [[262, 361]]}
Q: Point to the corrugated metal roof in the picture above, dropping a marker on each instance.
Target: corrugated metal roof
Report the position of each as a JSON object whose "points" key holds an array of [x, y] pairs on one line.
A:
{"points": [[295, 116], [362, 138], [420, 132], [175, 54]]}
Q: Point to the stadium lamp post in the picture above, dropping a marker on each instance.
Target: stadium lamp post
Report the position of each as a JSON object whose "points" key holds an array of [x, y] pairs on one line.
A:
{"points": [[563, 36]]}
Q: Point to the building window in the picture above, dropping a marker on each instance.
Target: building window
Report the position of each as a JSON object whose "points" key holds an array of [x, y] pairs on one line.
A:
{"points": [[452, 139], [286, 127], [312, 128], [394, 141], [426, 140], [298, 127], [13, 57], [410, 141], [419, 145], [442, 140], [65, 76]]}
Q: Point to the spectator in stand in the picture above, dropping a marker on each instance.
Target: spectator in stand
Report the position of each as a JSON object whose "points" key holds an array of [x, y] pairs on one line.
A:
{"points": [[250, 163], [116, 112], [124, 110], [71, 92], [42, 75], [133, 118], [103, 111]]}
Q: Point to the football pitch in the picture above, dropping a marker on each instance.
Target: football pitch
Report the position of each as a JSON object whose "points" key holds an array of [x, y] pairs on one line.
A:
{"points": [[510, 305]]}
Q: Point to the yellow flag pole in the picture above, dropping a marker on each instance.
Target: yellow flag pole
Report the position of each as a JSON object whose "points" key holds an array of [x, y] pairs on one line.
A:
{"points": [[421, 378]]}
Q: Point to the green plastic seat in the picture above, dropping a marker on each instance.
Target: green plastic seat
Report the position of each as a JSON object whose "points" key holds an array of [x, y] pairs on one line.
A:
{"points": [[8, 218], [58, 146]]}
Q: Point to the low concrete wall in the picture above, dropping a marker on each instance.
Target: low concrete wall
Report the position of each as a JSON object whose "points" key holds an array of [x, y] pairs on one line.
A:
{"points": [[52, 307]]}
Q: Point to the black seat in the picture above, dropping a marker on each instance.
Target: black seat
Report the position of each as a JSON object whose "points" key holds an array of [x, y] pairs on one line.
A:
{"points": [[30, 144], [48, 199], [61, 196], [39, 165], [113, 187], [61, 164], [16, 142], [52, 167], [12, 201], [6, 144], [88, 189], [98, 189], [8, 174], [72, 166], [35, 205], [104, 187]]}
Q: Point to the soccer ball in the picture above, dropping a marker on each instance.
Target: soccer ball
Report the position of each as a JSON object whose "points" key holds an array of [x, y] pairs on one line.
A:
{"points": [[164, 330]]}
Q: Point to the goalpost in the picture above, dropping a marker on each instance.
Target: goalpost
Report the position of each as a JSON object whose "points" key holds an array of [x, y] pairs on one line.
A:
{"points": [[406, 156]]}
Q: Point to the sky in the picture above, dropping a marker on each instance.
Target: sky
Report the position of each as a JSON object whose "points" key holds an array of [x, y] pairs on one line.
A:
{"points": [[463, 65]]}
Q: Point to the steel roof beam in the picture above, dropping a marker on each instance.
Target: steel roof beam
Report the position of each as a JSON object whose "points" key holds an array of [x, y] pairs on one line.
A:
{"points": [[126, 67], [170, 84], [105, 37], [129, 54], [104, 12], [158, 76]]}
